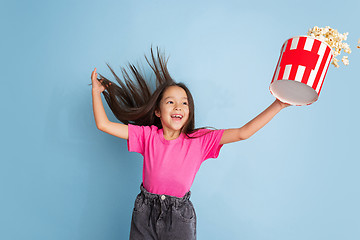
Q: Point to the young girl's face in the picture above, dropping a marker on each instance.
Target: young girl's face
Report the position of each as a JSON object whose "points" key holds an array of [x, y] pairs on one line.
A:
{"points": [[174, 108]]}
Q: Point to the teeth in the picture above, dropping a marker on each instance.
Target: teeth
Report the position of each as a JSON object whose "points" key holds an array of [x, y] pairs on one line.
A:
{"points": [[177, 116]]}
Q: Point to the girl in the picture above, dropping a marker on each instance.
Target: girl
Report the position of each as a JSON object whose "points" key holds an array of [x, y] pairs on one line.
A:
{"points": [[161, 126]]}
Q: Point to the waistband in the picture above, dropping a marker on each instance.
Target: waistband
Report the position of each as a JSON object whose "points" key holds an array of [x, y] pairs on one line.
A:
{"points": [[164, 197], [165, 201]]}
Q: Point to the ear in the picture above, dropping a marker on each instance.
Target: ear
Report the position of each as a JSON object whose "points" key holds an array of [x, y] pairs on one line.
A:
{"points": [[157, 113]]}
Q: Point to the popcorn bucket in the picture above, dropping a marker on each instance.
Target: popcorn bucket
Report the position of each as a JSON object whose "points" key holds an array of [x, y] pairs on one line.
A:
{"points": [[300, 71]]}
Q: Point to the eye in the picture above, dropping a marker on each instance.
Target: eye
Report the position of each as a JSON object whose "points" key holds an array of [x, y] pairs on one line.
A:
{"points": [[185, 103], [169, 101]]}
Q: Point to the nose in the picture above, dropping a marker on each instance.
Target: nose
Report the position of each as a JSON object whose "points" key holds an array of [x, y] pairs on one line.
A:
{"points": [[177, 107]]}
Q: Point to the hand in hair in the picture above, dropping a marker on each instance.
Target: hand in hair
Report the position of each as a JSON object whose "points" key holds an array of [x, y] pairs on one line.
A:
{"points": [[96, 83]]}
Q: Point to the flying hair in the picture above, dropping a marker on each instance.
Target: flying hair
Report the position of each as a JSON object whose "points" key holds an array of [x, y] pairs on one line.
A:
{"points": [[132, 101]]}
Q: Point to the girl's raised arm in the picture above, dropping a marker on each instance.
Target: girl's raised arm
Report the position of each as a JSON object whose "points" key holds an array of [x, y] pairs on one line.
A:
{"points": [[246, 131], [102, 122]]}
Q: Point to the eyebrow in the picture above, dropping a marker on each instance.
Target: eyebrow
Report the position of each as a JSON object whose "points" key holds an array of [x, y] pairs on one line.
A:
{"points": [[174, 97]]}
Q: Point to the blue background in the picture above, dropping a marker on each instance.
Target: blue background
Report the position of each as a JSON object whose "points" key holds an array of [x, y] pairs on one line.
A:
{"points": [[62, 178]]}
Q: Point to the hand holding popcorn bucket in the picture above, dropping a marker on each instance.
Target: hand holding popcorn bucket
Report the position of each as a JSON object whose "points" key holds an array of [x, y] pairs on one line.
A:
{"points": [[301, 70]]}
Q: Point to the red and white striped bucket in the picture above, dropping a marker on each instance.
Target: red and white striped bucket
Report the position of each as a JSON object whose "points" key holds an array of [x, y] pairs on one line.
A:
{"points": [[301, 70]]}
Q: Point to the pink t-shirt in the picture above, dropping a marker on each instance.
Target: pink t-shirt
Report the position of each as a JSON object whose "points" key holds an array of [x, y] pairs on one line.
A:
{"points": [[170, 166]]}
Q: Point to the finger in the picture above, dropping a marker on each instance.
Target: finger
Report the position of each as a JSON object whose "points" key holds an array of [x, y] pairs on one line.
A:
{"points": [[93, 73]]}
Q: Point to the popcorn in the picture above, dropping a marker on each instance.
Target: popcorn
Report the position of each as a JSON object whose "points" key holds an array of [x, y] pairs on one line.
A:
{"points": [[335, 62], [335, 41], [345, 60]]}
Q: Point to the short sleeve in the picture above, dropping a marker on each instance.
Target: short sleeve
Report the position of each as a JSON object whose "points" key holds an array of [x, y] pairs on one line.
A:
{"points": [[136, 140], [211, 144]]}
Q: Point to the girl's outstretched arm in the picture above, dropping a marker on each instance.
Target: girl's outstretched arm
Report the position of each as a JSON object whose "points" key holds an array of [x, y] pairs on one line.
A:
{"points": [[99, 112], [246, 131], [102, 122]]}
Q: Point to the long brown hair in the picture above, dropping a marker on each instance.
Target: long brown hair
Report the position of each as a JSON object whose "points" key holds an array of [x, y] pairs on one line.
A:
{"points": [[136, 104]]}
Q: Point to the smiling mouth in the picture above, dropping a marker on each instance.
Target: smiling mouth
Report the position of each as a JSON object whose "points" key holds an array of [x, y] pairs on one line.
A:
{"points": [[177, 116]]}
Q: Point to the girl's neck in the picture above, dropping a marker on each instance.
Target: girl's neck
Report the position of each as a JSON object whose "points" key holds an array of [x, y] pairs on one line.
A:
{"points": [[170, 134]]}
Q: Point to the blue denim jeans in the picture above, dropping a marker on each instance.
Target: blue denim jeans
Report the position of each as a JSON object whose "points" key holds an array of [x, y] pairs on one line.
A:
{"points": [[162, 217]]}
